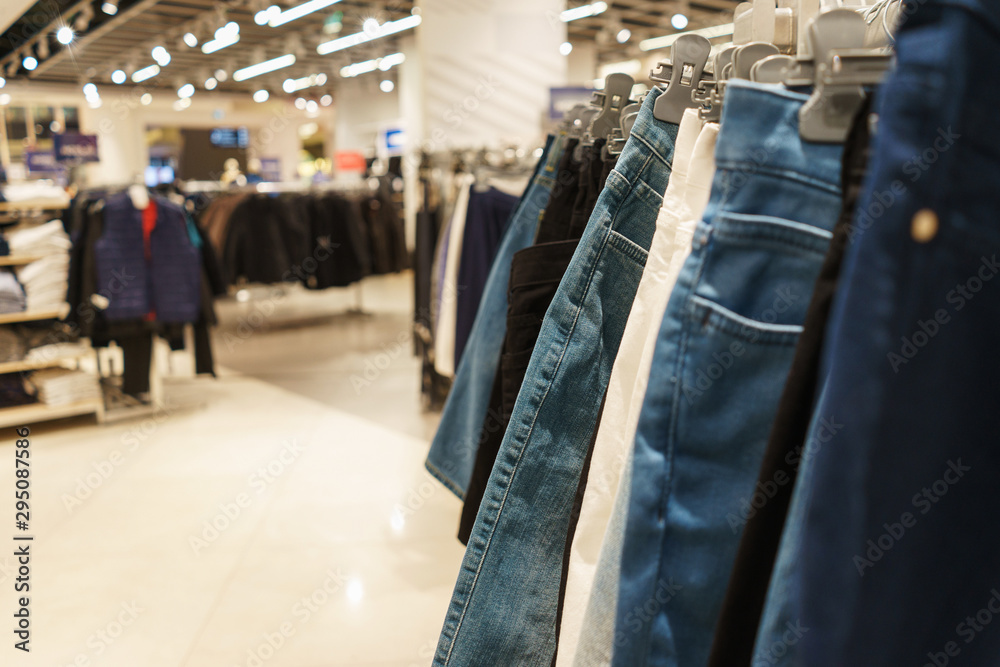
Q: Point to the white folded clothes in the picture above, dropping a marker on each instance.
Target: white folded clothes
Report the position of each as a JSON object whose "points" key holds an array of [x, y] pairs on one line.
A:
{"points": [[19, 192], [42, 239], [59, 386]]}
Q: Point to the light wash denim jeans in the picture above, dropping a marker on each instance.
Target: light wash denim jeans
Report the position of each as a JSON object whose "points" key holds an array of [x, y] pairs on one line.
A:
{"points": [[725, 346], [503, 611], [453, 450]]}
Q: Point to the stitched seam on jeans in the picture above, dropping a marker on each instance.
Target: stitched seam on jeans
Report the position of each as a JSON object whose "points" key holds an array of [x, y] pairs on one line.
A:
{"points": [[768, 225], [787, 174], [761, 240], [641, 139], [527, 438], [720, 318], [441, 477], [628, 247]]}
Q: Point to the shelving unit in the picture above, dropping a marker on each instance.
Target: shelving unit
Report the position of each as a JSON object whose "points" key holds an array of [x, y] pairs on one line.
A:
{"points": [[24, 212], [38, 412], [19, 260], [32, 316]]}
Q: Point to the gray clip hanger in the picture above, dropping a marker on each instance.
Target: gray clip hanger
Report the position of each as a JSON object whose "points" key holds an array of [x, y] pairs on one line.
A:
{"points": [[841, 68], [688, 56], [747, 55], [771, 69], [711, 98], [616, 94]]}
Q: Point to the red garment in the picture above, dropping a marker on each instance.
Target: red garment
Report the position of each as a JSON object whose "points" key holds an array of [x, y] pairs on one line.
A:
{"points": [[148, 225]]}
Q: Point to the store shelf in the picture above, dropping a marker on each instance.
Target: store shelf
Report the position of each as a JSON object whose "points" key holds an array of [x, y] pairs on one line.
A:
{"points": [[31, 316], [33, 205], [38, 412], [19, 260], [21, 366]]}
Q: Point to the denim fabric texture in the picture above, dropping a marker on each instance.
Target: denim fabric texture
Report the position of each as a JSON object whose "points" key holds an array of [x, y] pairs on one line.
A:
{"points": [[725, 346], [897, 547], [453, 450], [503, 610], [788, 451]]}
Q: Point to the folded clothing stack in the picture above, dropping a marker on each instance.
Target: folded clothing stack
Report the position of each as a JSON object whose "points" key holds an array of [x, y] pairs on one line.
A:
{"points": [[60, 386], [12, 299], [32, 190], [45, 280]]}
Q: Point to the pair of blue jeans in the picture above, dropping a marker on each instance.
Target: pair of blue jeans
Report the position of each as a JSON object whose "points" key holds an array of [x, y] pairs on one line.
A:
{"points": [[503, 611], [723, 352], [891, 556], [453, 450]]}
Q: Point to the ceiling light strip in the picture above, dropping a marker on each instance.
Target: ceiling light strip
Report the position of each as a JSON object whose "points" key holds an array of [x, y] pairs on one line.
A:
{"points": [[583, 11], [665, 41], [386, 29], [271, 65], [299, 11]]}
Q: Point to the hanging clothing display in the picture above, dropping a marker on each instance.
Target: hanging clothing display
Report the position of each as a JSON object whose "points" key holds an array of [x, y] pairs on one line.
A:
{"points": [[736, 422], [453, 450], [138, 273], [540, 460]]}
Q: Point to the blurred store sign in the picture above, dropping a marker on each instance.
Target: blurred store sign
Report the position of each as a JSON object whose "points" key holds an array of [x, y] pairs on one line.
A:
{"points": [[75, 147], [563, 99], [41, 161], [349, 161], [394, 141], [270, 168]]}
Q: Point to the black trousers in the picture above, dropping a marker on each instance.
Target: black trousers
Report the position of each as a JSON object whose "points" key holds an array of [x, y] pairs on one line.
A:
{"points": [[535, 274]]}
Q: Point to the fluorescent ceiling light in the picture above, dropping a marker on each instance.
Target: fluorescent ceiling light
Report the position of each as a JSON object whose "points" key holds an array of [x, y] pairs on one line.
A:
{"points": [[145, 73], [29, 63], [110, 7], [667, 40], [299, 11], [583, 12], [161, 56], [187, 90], [385, 64], [293, 85], [260, 96], [326, 100], [271, 65], [190, 39], [391, 60], [118, 76], [386, 29], [89, 90], [64, 35], [225, 36], [566, 48], [679, 21], [386, 86], [623, 35], [211, 83]]}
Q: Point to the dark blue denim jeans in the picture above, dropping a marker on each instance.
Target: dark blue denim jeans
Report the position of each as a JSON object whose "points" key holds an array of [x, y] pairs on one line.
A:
{"points": [[896, 543], [453, 450], [503, 611], [725, 347]]}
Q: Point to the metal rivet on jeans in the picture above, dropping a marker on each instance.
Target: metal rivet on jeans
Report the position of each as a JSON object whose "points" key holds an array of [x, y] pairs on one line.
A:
{"points": [[924, 226]]}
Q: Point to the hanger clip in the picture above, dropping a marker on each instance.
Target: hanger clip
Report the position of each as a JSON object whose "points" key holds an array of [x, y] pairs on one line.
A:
{"points": [[688, 56]]}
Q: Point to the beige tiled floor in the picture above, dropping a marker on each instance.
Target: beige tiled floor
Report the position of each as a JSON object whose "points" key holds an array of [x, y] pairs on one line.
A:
{"points": [[343, 553]]}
